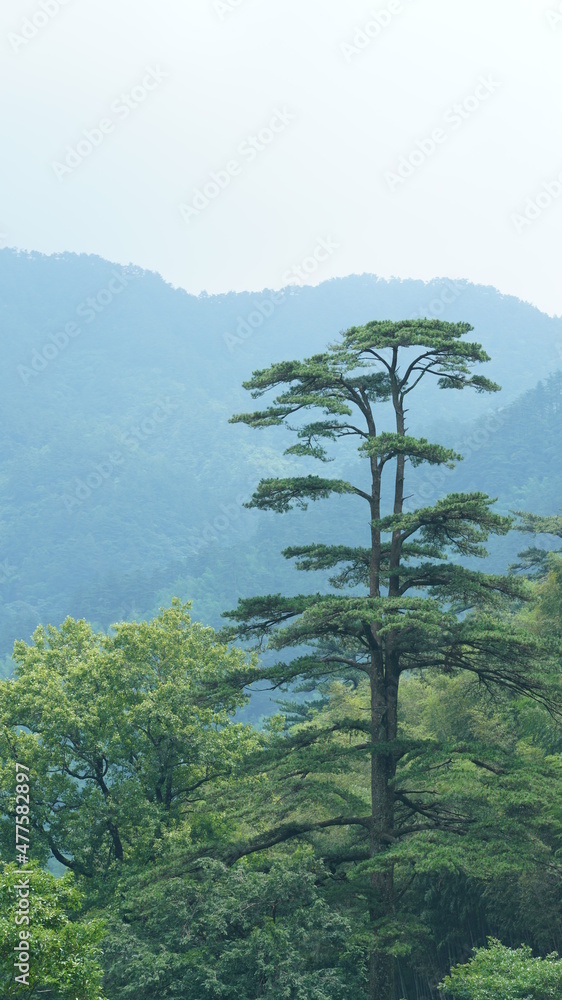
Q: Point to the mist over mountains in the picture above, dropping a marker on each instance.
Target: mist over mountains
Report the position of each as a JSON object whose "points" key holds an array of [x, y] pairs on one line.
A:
{"points": [[122, 481]]}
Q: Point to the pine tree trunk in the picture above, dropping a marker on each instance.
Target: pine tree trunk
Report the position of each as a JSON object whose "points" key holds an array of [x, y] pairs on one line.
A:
{"points": [[381, 976], [383, 722]]}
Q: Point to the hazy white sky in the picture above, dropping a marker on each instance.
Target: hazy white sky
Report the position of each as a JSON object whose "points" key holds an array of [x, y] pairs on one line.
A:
{"points": [[405, 137]]}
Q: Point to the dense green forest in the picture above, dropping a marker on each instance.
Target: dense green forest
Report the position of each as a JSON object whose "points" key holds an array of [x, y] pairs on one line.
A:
{"points": [[309, 748]]}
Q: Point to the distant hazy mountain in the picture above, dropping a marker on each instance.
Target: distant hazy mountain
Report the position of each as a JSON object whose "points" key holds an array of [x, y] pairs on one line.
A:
{"points": [[121, 478]]}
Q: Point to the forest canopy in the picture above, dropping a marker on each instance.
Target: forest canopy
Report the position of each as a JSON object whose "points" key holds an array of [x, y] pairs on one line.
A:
{"points": [[400, 807]]}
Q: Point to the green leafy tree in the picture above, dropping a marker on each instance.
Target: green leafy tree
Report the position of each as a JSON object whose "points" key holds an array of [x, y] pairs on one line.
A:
{"points": [[124, 734], [512, 974], [64, 950], [410, 609]]}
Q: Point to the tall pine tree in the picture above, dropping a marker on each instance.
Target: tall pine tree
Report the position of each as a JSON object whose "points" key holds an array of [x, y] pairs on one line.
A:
{"points": [[411, 609]]}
